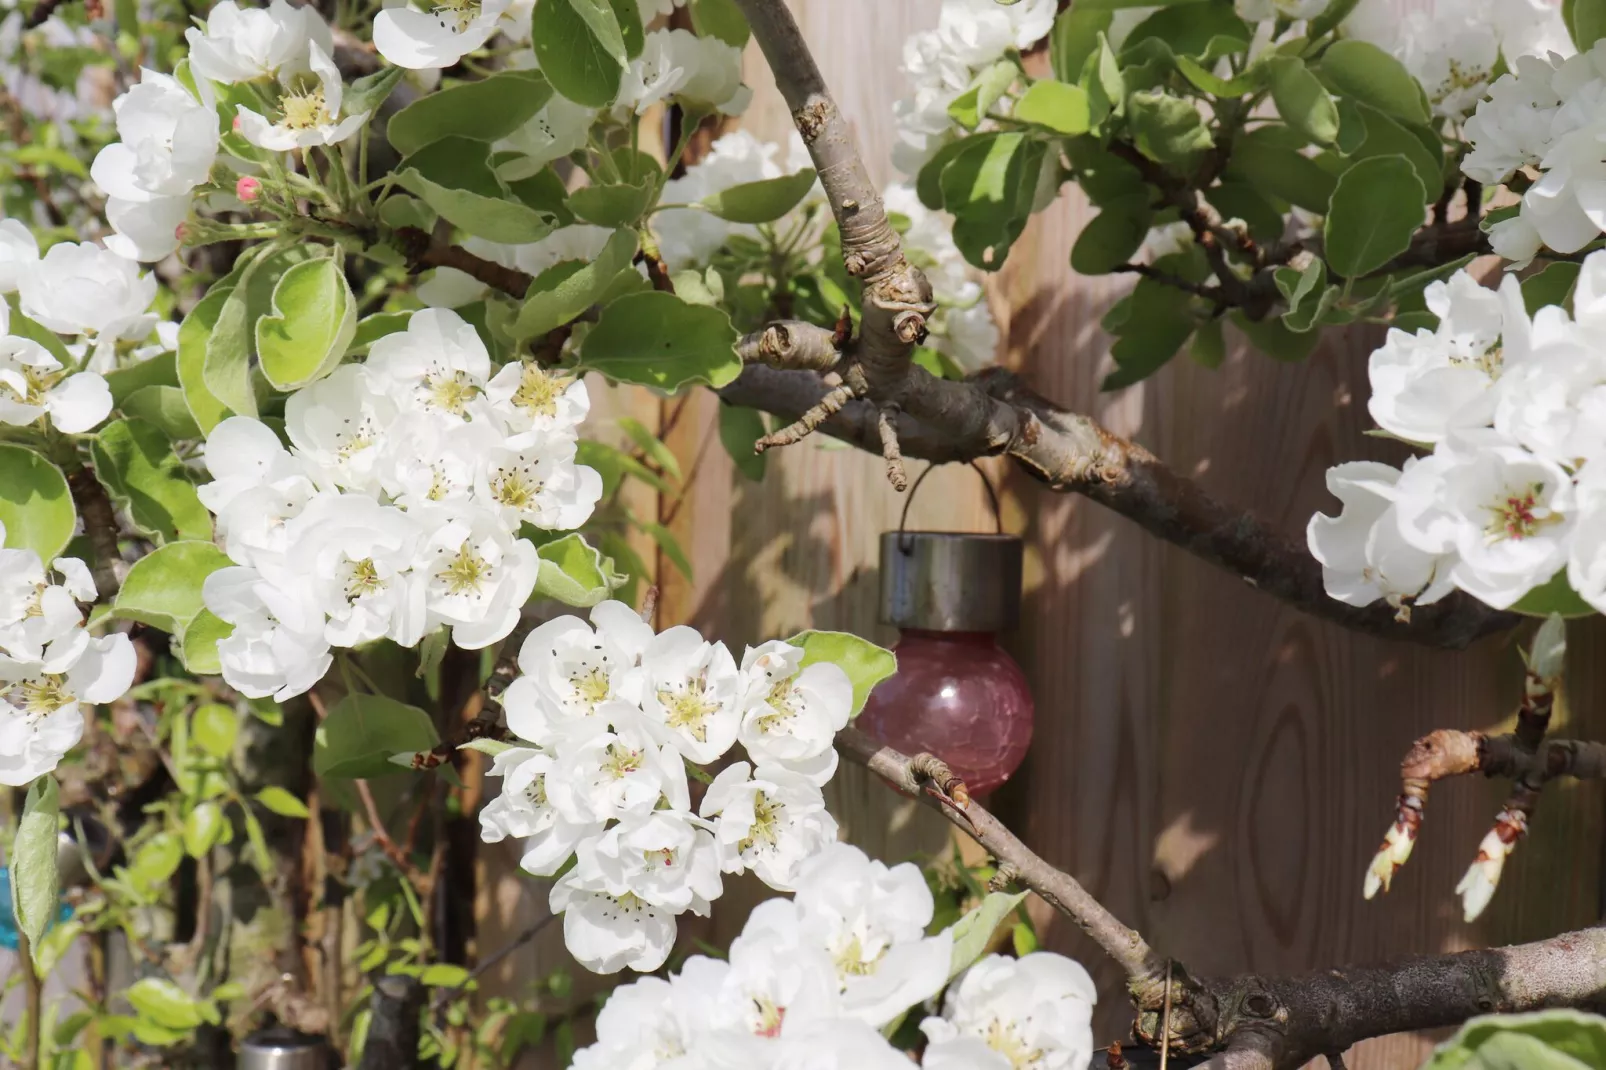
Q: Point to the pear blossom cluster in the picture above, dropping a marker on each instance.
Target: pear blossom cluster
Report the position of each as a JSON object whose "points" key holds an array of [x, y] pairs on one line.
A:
{"points": [[1542, 122], [50, 666], [1454, 47], [99, 303], [941, 63], [813, 980], [396, 508], [609, 716], [1513, 494], [167, 126]]}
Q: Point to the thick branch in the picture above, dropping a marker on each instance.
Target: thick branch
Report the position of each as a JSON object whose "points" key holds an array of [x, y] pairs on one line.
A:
{"points": [[100, 528]]}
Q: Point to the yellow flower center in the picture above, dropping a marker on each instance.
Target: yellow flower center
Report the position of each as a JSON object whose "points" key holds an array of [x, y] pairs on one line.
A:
{"points": [[688, 709], [1517, 515], [364, 579], [591, 686], [451, 393], [39, 696], [781, 701], [457, 14], [466, 571], [37, 383], [305, 109], [514, 488], [1005, 1039], [621, 761], [538, 392], [766, 824]]}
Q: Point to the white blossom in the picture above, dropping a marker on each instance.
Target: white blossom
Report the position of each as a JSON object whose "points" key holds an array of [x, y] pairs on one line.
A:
{"points": [[692, 691], [791, 714], [523, 811], [606, 934], [871, 920], [665, 858], [41, 718], [35, 612], [34, 383], [479, 575], [438, 364], [277, 646], [429, 40], [85, 290], [1504, 512], [19, 253], [1363, 554], [337, 425], [308, 111], [255, 44], [531, 401], [1038, 1008], [169, 140], [355, 557], [1428, 384], [612, 775], [569, 669], [769, 822]]}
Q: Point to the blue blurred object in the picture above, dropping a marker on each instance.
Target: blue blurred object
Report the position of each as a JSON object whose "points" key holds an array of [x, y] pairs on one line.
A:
{"points": [[8, 919]]}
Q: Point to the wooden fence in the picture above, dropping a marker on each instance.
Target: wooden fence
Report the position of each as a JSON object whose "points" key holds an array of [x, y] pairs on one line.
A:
{"points": [[1215, 767]]}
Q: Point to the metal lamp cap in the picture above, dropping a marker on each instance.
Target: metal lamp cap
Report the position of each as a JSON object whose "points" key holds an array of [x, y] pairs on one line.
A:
{"points": [[945, 581], [283, 1049]]}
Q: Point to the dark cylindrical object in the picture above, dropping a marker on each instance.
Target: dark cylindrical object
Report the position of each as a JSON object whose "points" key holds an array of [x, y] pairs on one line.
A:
{"points": [[392, 1042], [283, 1049], [942, 581]]}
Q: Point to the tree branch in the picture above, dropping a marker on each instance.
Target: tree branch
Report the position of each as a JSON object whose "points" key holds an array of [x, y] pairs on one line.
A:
{"points": [[100, 528], [1276, 1023], [928, 780]]}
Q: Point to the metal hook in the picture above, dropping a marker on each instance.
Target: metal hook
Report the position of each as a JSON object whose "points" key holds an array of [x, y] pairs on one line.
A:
{"points": [[904, 544]]}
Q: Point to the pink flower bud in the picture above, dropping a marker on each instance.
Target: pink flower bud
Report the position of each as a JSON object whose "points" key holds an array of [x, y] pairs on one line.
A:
{"points": [[247, 188], [236, 124], [181, 232]]}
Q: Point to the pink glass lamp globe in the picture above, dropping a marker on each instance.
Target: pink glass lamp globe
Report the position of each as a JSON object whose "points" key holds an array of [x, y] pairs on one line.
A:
{"points": [[956, 693]]}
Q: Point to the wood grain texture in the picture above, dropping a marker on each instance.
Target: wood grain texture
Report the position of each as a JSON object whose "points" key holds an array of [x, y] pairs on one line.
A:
{"points": [[1216, 768]]}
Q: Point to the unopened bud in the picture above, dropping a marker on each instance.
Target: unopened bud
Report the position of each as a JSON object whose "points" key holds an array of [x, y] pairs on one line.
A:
{"points": [[182, 233], [235, 126], [248, 188]]}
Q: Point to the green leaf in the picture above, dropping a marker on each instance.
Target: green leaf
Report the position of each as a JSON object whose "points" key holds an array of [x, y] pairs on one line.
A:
{"points": [[973, 105], [35, 897], [1296, 285], [613, 464], [1158, 321], [194, 335], [1059, 107], [974, 932], [281, 802], [226, 366], [1074, 38], [1586, 22], [165, 408], [454, 177], [1552, 285], [165, 1004], [865, 663], [1385, 136], [203, 828], [1545, 1040], [214, 727], [362, 732], [656, 339], [1191, 29], [1104, 84], [160, 370], [314, 319], [721, 19], [580, 49], [566, 290], [1301, 99], [1208, 348], [649, 444], [488, 109], [1277, 341], [760, 202], [1361, 70], [1375, 210], [1264, 163], [1165, 128], [35, 505], [1313, 313], [163, 589], [575, 573], [199, 648], [489, 747], [616, 204], [1112, 237], [367, 93], [1204, 79], [136, 463], [739, 428], [989, 186], [1555, 595], [371, 329], [156, 862]]}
